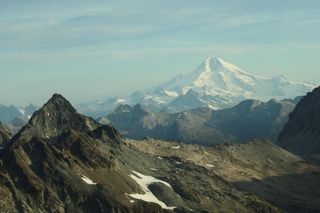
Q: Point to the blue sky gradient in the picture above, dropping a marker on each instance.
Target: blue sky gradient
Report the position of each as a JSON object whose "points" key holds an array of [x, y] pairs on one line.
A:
{"points": [[88, 50]]}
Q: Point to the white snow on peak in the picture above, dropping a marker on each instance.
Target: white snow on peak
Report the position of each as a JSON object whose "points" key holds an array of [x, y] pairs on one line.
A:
{"points": [[87, 180], [215, 62], [221, 84], [144, 181], [120, 101], [22, 111], [170, 93]]}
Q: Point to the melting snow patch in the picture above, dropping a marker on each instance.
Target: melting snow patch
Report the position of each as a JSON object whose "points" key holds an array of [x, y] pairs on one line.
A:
{"points": [[144, 181], [120, 101], [87, 180], [132, 201], [178, 162], [160, 158], [22, 111], [170, 93], [209, 165], [153, 169], [175, 147]]}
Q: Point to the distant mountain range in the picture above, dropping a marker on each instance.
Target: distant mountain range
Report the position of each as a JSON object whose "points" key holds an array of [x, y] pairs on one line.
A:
{"points": [[16, 117], [250, 119], [215, 84]]}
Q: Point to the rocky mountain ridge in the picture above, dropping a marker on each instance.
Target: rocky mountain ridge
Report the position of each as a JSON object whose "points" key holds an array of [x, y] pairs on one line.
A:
{"points": [[248, 120], [302, 132]]}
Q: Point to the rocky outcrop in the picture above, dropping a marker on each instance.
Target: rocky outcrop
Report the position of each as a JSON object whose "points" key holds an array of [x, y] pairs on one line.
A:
{"points": [[301, 134], [5, 134]]}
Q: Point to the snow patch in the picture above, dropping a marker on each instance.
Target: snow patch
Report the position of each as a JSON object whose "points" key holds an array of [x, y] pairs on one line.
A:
{"points": [[209, 165], [171, 94], [22, 111], [87, 180], [144, 181], [120, 101], [176, 147], [153, 169], [178, 162], [160, 158]]}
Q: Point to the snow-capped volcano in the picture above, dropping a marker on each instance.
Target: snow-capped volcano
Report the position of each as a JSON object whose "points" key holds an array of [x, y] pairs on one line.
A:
{"points": [[216, 84], [214, 77], [220, 84]]}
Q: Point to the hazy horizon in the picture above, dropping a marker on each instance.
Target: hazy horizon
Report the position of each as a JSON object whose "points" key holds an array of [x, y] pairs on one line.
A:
{"points": [[90, 50]]}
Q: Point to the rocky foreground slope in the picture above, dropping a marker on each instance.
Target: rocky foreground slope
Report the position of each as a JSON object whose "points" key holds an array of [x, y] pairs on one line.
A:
{"points": [[258, 167], [62, 161], [301, 134]]}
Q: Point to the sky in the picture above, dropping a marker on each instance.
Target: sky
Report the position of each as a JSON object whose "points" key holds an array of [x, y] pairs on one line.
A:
{"points": [[88, 50]]}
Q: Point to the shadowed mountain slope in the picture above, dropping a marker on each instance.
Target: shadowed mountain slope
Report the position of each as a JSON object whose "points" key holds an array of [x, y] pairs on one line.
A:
{"points": [[301, 134], [248, 120], [5, 134]]}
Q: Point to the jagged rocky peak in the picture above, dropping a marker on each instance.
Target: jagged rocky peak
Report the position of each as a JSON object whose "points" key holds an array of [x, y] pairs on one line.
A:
{"points": [[56, 117], [140, 108], [123, 108], [248, 105]]}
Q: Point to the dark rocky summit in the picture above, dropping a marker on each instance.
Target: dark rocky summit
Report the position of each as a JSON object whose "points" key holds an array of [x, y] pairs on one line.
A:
{"points": [[301, 135]]}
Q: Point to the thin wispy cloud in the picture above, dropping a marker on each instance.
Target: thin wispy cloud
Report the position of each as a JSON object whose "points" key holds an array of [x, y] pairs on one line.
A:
{"points": [[153, 35]]}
